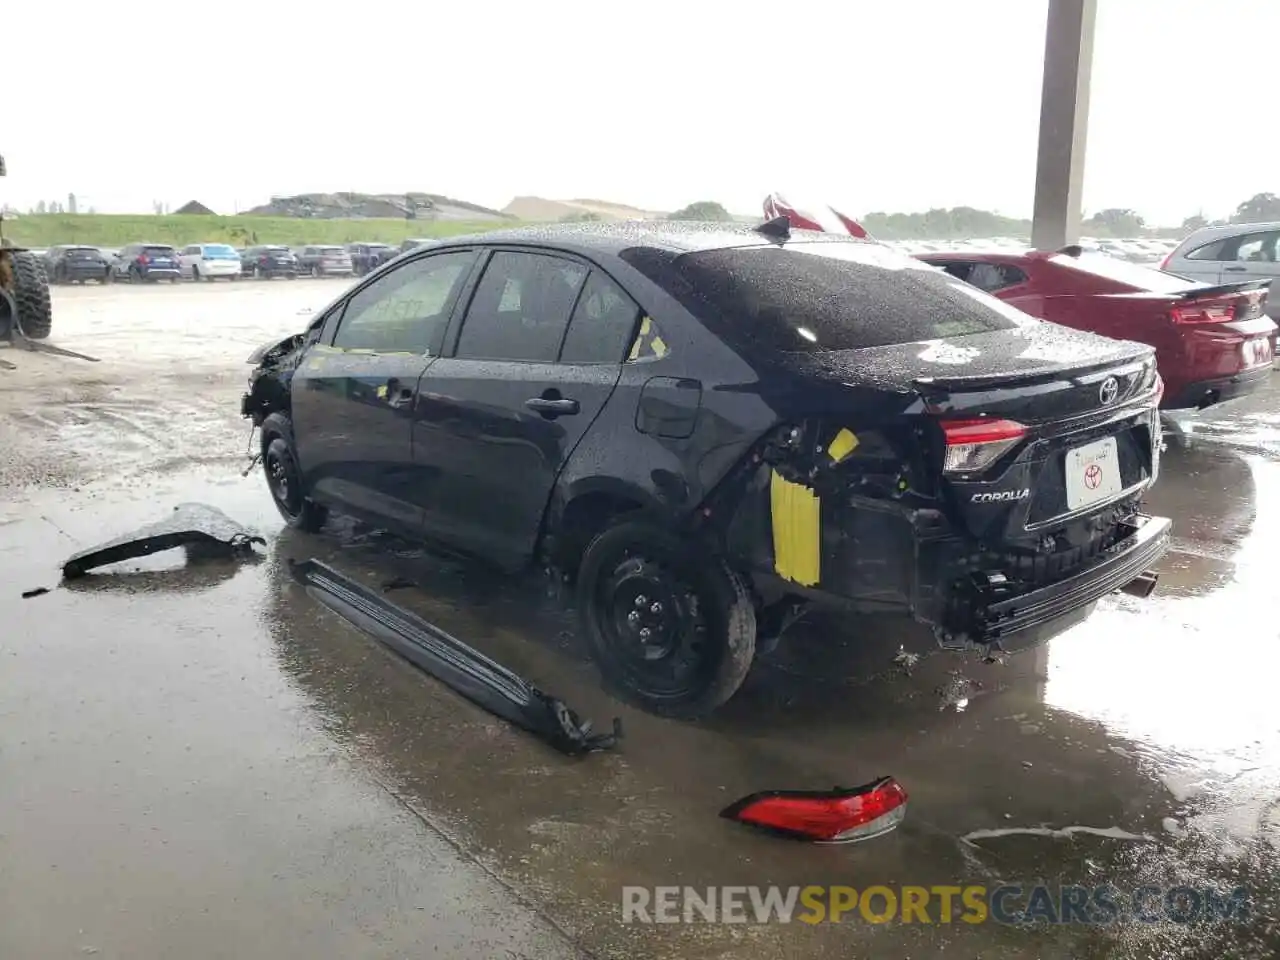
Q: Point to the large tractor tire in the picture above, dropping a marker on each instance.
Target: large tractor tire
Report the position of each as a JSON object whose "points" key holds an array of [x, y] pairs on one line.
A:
{"points": [[23, 275]]}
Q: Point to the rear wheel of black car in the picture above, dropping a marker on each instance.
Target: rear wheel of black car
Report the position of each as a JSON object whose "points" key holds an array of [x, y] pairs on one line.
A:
{"points": [[672, 627], [284, 479]]}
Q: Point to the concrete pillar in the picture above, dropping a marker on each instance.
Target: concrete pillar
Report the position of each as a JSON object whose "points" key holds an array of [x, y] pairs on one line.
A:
{"points": [[1064, 121]]}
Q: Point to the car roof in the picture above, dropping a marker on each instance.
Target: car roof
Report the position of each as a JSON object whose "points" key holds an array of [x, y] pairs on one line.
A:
{"points": [[674, 236], [1205, 234]]}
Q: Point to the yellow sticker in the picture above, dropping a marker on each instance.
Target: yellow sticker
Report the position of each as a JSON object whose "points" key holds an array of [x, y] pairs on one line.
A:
{"points": [[844, 444]]}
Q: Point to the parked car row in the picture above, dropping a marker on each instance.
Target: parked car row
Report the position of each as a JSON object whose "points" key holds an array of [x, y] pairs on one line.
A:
{"points": [[153, 262]]}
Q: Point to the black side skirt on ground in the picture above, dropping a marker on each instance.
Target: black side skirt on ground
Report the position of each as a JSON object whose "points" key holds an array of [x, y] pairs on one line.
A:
{"points": [[483, 681]]}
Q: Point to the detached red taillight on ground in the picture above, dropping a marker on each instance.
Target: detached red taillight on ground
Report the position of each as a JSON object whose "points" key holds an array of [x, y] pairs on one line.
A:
{"points": [[836, 816], [974, 445]]}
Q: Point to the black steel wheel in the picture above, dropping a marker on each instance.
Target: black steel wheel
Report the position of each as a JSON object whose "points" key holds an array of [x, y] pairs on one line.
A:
{"points": [[284, 479], [670, 626]]}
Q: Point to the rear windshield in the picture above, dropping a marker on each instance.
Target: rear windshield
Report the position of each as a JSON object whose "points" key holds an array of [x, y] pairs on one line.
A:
{"points": [[159, 251], [1121, 271], [331, 250], [815, 297], [221, 249], [83, 250]]}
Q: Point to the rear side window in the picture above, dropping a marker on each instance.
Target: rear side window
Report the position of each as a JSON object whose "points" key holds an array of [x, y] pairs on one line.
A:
{"points": [[814, 297], [521, 308], [1122, 272], [985, 276], [1210, 251], [603, 323]]}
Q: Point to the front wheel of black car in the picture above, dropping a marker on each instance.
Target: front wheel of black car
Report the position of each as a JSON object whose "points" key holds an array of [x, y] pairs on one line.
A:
{"points": [[670, 626], [284, 479]]}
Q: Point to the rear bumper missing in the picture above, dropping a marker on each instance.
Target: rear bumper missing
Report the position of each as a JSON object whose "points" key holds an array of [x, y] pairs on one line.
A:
{"points": [[995, 611]]}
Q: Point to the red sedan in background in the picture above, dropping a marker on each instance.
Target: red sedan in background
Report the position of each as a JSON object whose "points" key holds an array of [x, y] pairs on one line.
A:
{"points": [[1213, 342]]}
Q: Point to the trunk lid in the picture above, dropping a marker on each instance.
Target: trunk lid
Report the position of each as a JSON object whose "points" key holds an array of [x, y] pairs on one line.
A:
{"points": [[1043, 372]]}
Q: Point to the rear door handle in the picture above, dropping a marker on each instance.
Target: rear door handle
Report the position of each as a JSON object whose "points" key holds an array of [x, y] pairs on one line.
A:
{"points": [[553, 408], [1234, 269]]}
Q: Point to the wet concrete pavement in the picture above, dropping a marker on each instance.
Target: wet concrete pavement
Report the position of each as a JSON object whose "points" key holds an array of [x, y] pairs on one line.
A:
{"points": [[201, 761]]}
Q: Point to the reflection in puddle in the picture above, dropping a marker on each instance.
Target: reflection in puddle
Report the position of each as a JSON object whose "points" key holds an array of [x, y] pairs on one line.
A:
{"points": [[1191, 679]]}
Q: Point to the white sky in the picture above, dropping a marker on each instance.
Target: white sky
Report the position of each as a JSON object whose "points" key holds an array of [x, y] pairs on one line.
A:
{"points": [[869, 104]]}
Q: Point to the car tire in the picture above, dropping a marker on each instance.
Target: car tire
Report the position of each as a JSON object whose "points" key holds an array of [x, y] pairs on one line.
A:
{"points": [[316, 272], [634, 577], [31, 295], [284, 479]]}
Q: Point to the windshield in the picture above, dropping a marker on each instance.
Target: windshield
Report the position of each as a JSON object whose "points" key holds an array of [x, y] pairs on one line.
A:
{"points": [[815, 297], [1121, 271]]}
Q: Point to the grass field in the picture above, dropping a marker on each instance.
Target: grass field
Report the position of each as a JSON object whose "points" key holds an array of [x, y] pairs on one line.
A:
{"points": [[110, 230]]}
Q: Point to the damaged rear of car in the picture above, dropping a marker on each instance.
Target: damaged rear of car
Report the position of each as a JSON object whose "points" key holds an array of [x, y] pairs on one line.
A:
{"points": [[712, 427]]}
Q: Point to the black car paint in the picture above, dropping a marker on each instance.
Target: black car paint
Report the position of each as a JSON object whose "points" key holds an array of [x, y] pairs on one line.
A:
{"points": [[700, 423]]}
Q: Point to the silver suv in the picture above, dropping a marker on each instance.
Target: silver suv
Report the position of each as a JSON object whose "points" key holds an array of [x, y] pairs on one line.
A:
{"points": [[1240, 251]]}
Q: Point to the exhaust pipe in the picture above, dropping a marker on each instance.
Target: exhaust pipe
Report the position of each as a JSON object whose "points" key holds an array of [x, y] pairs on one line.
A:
{"points": [[1142, 585]]}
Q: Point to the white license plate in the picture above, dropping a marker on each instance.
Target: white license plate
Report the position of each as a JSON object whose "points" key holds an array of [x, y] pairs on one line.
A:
{"points": [[1093, 473], [1257, 352]]}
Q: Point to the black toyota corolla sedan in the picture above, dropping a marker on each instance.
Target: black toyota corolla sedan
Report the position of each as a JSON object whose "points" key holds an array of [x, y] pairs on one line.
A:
{"points": [[707, 428]]}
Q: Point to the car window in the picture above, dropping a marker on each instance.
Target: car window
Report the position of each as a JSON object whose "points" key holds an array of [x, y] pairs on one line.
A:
{"points": [[603, 323], [1257, 248], [521, 307], [1210, 251], [810, 297], [406, 310], [985, 276]]}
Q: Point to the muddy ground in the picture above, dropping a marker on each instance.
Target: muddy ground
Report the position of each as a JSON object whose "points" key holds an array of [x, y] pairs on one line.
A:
{"points": [[199, 761]]}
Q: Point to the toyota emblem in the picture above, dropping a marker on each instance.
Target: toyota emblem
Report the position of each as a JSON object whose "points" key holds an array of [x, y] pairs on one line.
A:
{"points": [[1109, 390]]}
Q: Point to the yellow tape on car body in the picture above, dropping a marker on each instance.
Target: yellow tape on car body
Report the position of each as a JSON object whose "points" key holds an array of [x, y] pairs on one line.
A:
{"points": [[797, 535]]}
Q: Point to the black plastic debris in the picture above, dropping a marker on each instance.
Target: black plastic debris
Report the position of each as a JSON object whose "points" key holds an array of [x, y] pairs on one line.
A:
{"points": [[36, 592], [200, 529], [483, 681]]}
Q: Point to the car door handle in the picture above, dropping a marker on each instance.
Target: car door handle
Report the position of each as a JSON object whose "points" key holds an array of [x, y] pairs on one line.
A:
{"points": [[551, 408], [1234, 269]]}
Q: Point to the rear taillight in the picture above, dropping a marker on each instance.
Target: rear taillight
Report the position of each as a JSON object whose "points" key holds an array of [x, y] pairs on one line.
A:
{"points": [[840, 816], [974, 445], [143, 260], [1203, 313]]}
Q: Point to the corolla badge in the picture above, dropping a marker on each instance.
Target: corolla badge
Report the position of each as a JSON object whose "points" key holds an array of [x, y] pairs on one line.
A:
{"points": [[1109, 390], [1002, 496]]}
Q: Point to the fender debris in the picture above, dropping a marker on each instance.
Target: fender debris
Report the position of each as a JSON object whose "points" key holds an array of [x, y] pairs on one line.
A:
{"points": [[190, 525]]}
